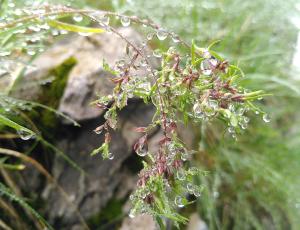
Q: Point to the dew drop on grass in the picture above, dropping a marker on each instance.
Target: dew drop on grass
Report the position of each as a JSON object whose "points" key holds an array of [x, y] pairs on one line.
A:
{"points": [[184, 156], [197, 192], [77, 18], [175, 39], [111, 156], [55, 32], [266, 118], [243, 124], [231, 129], [178, 201], [125, 21], [25, 135], [157, 53], [205, 67], [141, 152], [131, 213], [246, 119], [150, 36], [105, 20], [31, 52], [180, 175], [98, 130], [143, 63], [198, 110], [190, 187], [161, 34]]}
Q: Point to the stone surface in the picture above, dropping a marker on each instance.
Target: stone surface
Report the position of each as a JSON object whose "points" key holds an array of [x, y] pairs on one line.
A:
{"points": [[90, 193], [196, 223], [141, 222], [87, 79]]}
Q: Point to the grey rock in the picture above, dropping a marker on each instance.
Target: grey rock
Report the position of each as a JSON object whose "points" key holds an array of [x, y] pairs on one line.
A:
{"points": [[141, 222], [87, 79], [196, 223], [90, 193]]}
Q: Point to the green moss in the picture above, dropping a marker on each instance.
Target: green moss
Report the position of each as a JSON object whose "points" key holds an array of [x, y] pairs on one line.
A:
{"points": [[52, 93]]}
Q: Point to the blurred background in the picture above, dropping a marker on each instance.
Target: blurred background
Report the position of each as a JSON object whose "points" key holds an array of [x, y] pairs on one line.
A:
{"points": [[253, 182]]}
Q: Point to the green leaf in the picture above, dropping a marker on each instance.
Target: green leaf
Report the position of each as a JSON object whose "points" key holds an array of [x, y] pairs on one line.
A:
{"points": [[237, 69], [212, 44], [5, 121], [73, 28], [5, 191]]}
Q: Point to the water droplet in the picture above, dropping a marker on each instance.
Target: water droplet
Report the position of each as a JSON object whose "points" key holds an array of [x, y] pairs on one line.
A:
{"points": [[175, 38], [150, 36], [180, 174], [190, 187], [184, 156], [157, 53], [233, 135], [24, 134], [98, 130], [125, 21], [161, 34], [197, 192], [77, 18], [141, 151], [54, 32], [231, 129], [111, 156], [121, 63], [198, 110], [266, 118], [132, 213], [205, 67], [246, 119], [178, 201], [172, 148], [241, 111], [104, 20], [243, 124], [31, 52], [231, 107], [143, 63]]}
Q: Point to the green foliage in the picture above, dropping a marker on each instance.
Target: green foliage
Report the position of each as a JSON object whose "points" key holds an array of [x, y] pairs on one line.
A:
{"points": [[5, 191], [251, 184], [256, 178]]}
